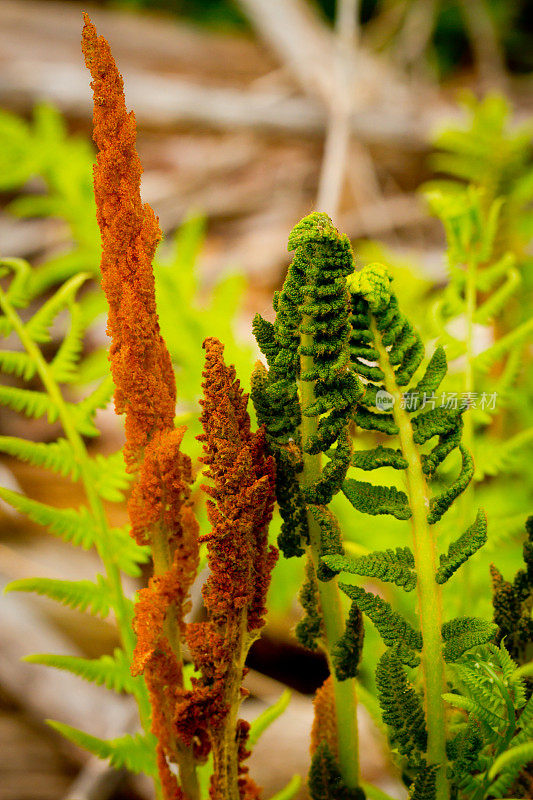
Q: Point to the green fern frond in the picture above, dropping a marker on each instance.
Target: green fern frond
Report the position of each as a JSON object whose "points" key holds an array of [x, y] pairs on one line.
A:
{"points": [[330, 538], [74, 526], [485, 360], [378, 457], [38, 327], [309, 629], [57, 456], [29, 402], [475, 709], [83, 595], [394, 566], [424, 785], [65, 363], [401, 707], [393, 628], [325, 781], [465, 546], [371, 499], [442, 502], [261, 723], [109, 476], [113, 672], [463, 633], [135, 753], [17, 292], [16, 363], [347, 651]]}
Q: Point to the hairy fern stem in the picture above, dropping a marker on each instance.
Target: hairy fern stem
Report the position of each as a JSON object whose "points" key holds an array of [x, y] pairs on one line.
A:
{"points": [[345, 691], [429, 593]]}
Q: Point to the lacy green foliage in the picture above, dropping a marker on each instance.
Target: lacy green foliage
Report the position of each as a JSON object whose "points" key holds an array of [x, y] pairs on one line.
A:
{"points": [[325, 782], [496, 155], [462, 548], [136, 753], [490, 750], [395, 566], [513, 603], [43, 148], [312, 320], [401, 707], [100, 477]]}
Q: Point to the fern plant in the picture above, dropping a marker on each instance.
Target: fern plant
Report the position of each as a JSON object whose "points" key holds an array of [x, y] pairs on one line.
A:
{"points": [[342, 362], [102, 479]]}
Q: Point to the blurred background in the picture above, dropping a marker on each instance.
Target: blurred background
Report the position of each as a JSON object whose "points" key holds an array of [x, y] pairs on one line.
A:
{"points": [[251, 114]]}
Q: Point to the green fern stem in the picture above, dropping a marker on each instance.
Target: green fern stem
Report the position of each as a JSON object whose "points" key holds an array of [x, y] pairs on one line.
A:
{"points": [[330, 600], [429, 595], [120, 605], [466, 500]]}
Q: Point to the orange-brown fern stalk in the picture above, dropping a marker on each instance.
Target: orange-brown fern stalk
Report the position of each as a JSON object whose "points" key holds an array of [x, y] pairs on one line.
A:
{"points": [[240, 562], [159, 506]]}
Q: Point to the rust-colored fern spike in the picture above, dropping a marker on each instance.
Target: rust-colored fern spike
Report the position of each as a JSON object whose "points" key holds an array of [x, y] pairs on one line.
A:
{"points": [[141, 366], [240, 561], [159, 506]]}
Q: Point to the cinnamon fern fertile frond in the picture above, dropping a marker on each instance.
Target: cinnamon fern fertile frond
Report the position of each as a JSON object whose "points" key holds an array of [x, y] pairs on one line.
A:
{"points": [[145, 391], [240, 559]]}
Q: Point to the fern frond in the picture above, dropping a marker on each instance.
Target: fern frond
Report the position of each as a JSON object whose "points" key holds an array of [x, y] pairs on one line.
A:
{"points": [[347, 651], [463, 633], [401, 707], [378, 457], [330, 538], [65, 363], [17, 293], [83, 595], [475, 709], [394, 566], [13, 362], [442, 502], [135, 753], [29, 402], [371, 499], [325, 781], [74, 526], [424, 785], [109, 476], [393, 628], [57, 456], [113, 672], [484, 361], [261, 723], [290, 790], [38, 326], [465, 546]]}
